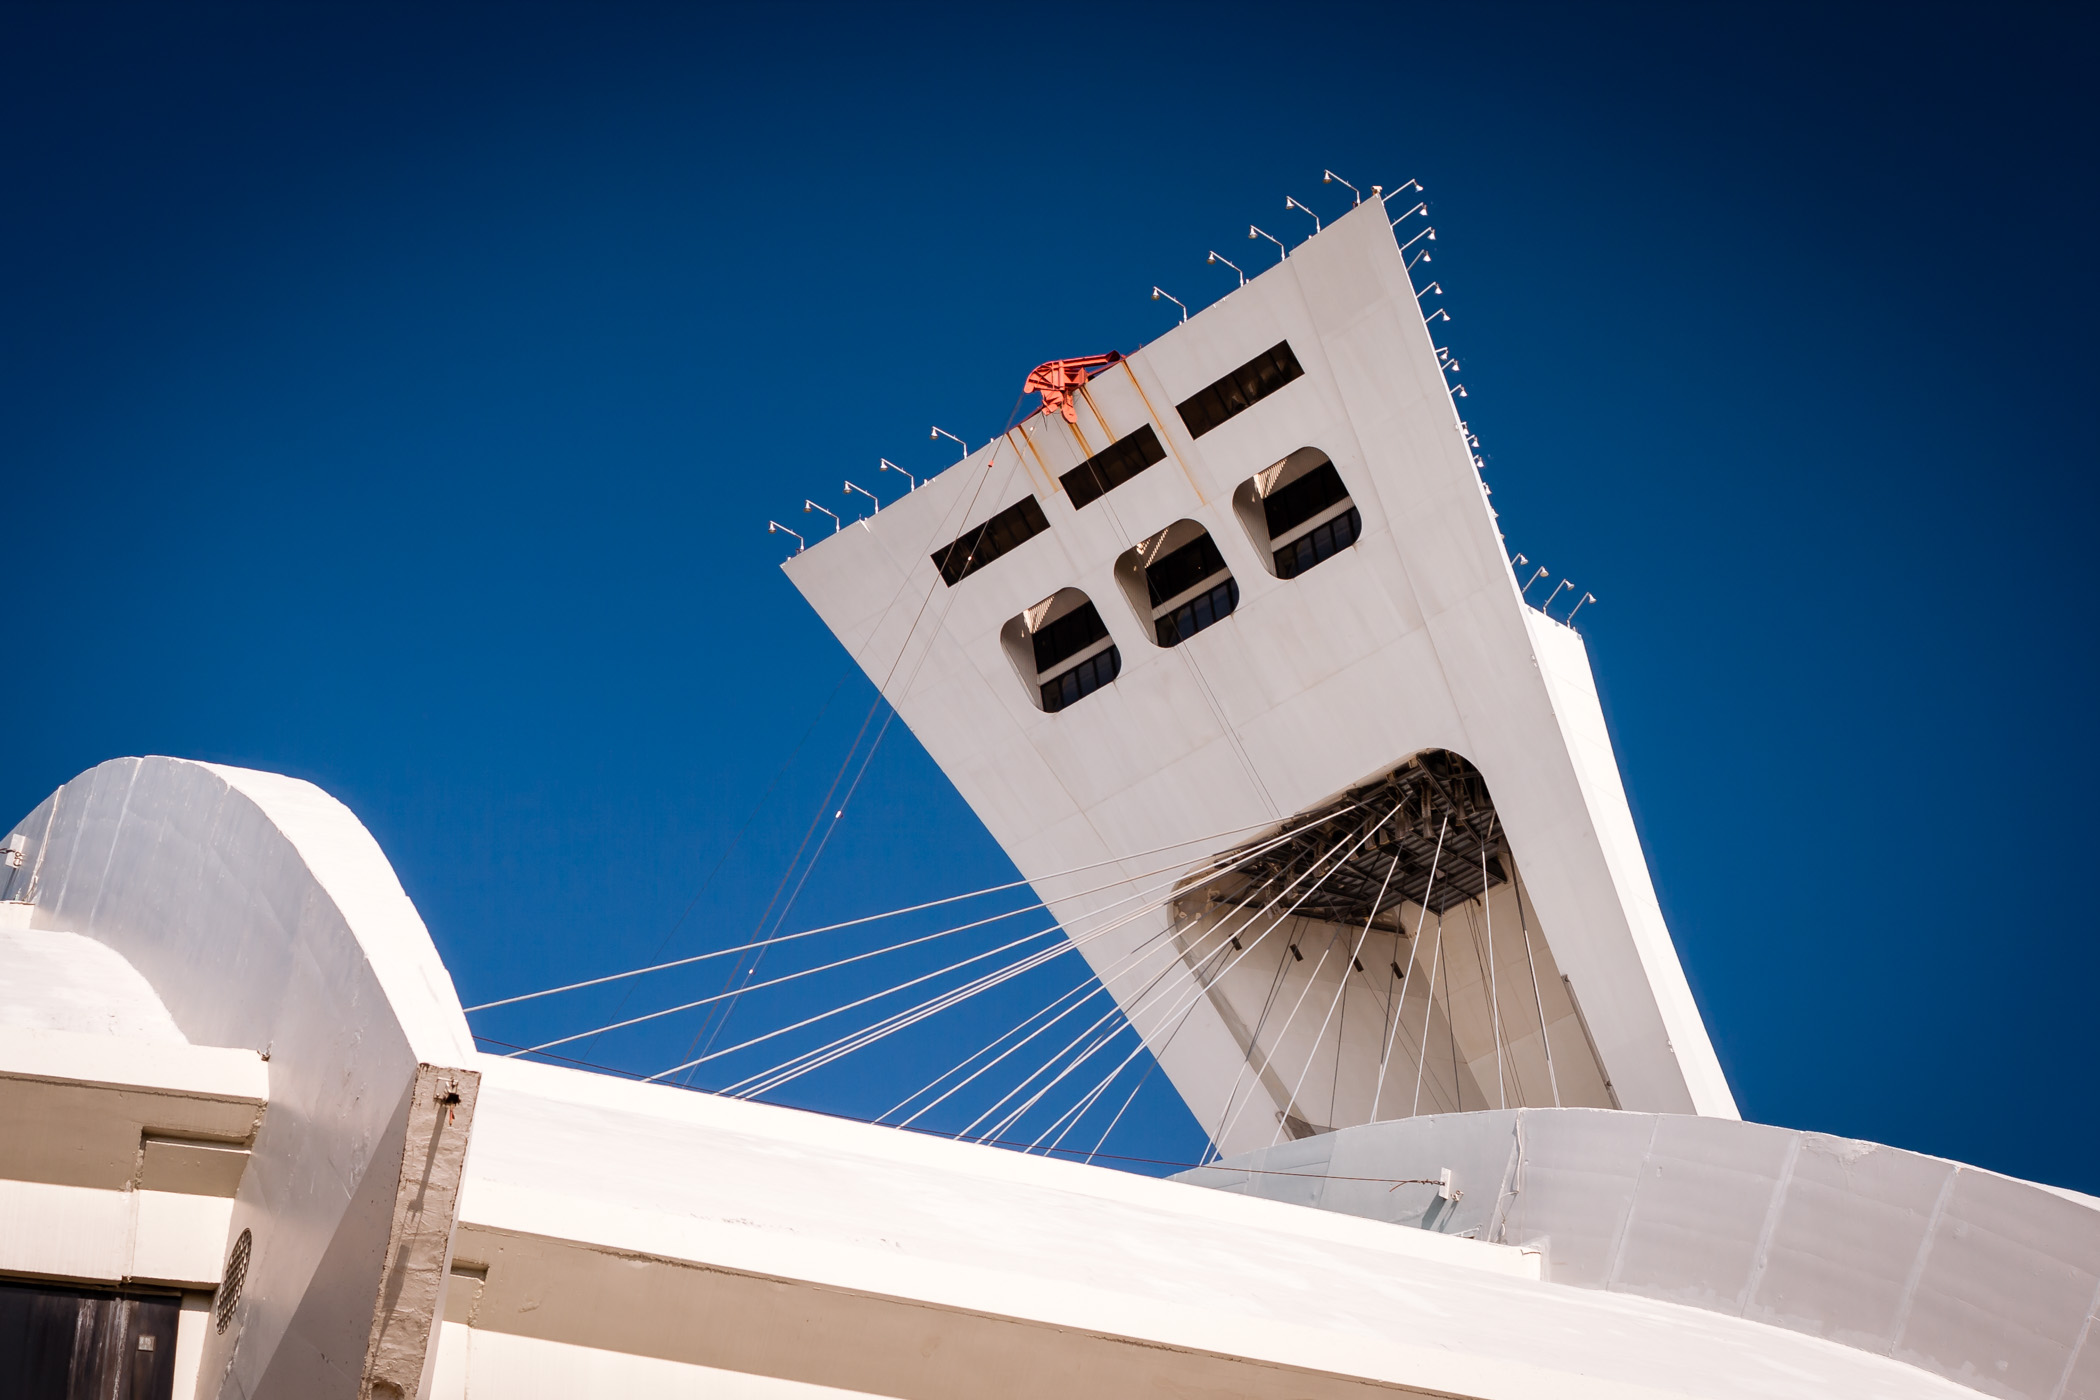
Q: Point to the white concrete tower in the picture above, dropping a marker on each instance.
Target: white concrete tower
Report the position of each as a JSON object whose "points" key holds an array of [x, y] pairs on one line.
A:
{"points": [[1245, 627]]}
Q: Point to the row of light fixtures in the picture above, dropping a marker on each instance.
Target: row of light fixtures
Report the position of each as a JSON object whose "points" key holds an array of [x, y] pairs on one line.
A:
{"points": [[882, 464], [1518, 561], [1445, 358]]}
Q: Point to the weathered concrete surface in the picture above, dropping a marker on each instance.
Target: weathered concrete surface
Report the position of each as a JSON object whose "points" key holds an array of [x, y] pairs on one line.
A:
{"points": [[401, 1351]]}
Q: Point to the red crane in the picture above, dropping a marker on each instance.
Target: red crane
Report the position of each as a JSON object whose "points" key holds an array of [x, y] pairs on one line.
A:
{"points": [[1055, 380]]}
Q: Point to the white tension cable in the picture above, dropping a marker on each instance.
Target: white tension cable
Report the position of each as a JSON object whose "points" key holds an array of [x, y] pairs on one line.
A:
{"points": [[868, 1035], [1187, 974], [809, 1060], [865, 919], [841, 962], [929, 976], [813, 1059]]}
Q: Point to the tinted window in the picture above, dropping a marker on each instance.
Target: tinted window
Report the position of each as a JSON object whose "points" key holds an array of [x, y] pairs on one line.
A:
{"points": [[1322, 542], [1240, 390], [1183, 569], [1074, 632], [1084, 679], [1303, 499], [1112, 466], [974, 549], [1212, 605]]}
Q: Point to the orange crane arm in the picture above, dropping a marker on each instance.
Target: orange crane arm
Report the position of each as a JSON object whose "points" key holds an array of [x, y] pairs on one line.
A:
{"points": [[1055, 380]]}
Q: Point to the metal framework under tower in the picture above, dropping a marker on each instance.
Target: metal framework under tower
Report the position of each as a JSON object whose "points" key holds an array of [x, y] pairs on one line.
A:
{"points": [[1437, 793]]}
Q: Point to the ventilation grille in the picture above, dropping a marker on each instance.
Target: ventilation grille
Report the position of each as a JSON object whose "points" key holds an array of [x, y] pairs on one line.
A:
{"points": [[236, 1275]]}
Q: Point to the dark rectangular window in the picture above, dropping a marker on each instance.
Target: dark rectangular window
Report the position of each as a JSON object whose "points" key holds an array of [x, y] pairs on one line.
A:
{"points": [[1069, 635], [1323, 542], [1303, 499], [1183, 569], [1197, 613], [1084, 679], [1019, 522], [1112, 466], [1241, 390]]}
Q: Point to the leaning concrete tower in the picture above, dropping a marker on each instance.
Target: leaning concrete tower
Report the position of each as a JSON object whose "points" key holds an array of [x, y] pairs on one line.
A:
{"points": [[1233, 613]]}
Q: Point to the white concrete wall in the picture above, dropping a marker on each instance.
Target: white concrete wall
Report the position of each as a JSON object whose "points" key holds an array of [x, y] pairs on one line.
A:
{"points": [[630, 1240], [1982, 1279], [266, 919], [1415, 638]]}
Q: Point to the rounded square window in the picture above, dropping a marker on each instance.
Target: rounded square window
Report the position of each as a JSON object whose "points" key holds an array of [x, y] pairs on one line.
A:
{"points": [[1177, 582], [1298, 512], [1061, 650]]}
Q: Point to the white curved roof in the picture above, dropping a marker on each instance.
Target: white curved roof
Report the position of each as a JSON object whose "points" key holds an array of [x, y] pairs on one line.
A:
{"points": [[608, 1214]]}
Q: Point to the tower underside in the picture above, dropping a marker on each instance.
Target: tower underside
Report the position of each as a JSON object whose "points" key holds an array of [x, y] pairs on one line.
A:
{"points": [[1378, 957]]}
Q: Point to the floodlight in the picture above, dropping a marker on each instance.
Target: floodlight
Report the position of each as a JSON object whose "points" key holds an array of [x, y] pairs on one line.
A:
{"points": [[1328, 177]]}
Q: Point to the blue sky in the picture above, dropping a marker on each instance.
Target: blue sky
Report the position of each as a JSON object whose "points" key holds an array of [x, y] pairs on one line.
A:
{"points": [[395, 397]]}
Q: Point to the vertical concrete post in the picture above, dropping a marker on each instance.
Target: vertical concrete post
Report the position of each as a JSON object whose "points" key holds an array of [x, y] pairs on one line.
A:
{"points": [[400, 1355]]}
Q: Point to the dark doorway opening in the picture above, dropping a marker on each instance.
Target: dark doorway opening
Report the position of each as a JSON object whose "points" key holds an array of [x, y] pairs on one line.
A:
{"points": [[59, 1342]]}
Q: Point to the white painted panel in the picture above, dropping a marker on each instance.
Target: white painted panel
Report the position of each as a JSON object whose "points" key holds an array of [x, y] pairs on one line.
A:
{"points": [[65, 1231], [179, 1239], [80, 1232], [192, 1070], [1701, 1203], [191, 1328], [1842, 1251], [473, 1363], [2009, 1280]]}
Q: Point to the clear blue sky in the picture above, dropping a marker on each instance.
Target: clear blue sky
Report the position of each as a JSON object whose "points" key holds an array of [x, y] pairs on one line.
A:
{"points": [[395, 397]]}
